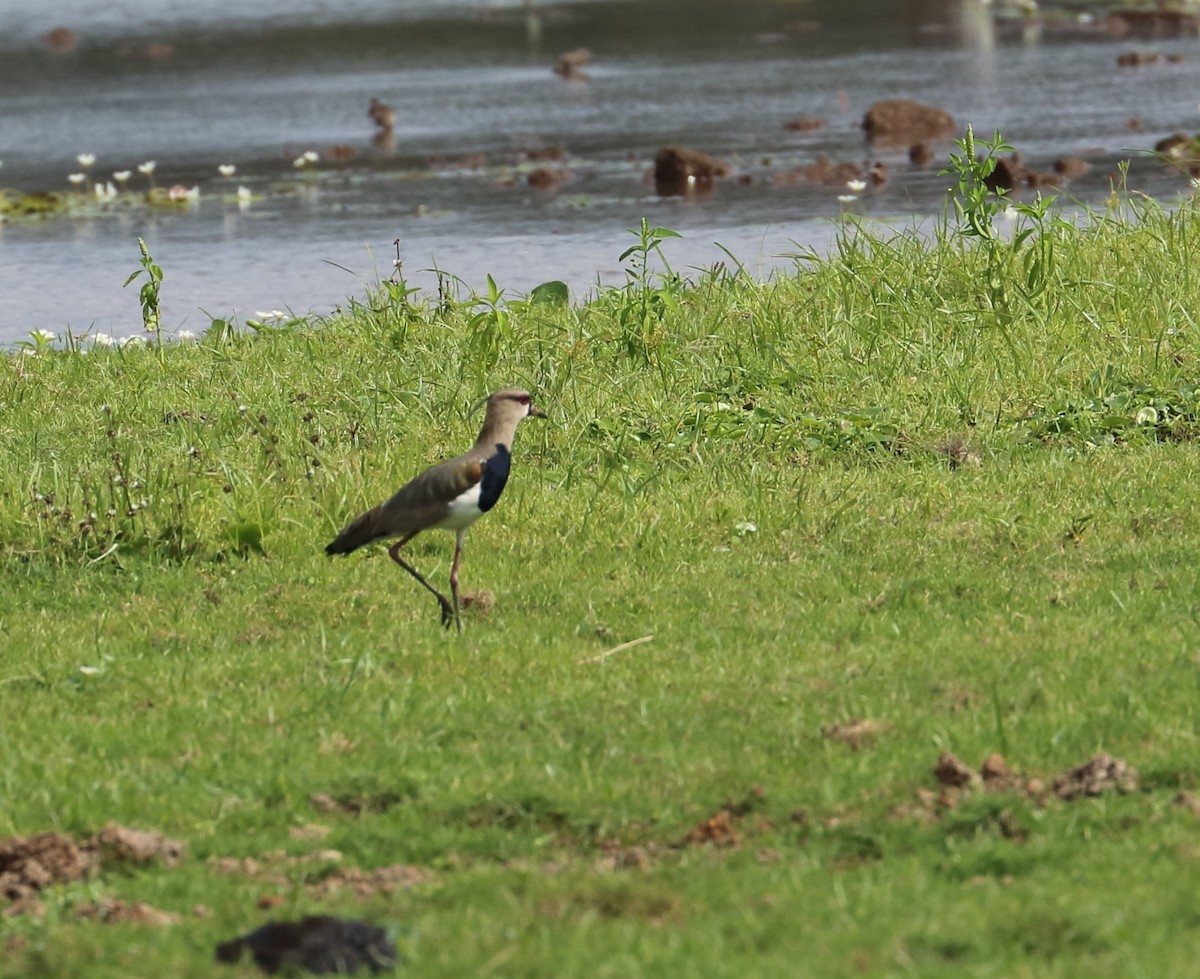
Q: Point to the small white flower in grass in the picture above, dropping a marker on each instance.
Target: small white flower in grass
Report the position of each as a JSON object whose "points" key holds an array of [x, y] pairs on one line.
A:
{"points": [[76, 178], [89, 670], [856, 186], [227, 169], [86, 159], [102, 340], [147, 167], [271, 315], [120, 176], [847, 198], [744, 527]]}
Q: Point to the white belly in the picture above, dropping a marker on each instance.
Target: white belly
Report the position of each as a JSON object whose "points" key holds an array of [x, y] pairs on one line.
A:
{"points": [[464, 511]]}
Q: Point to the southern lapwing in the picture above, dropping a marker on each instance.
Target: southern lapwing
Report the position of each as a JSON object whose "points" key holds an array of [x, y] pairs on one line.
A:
{"points": [[451, 495]]}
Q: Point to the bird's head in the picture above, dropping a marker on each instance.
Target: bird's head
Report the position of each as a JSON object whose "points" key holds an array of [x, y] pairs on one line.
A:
{"points": [[512, 405]]}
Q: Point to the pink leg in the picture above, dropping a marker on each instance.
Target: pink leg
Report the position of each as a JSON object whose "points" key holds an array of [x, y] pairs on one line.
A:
{"points": [[458, 543], [449, 613]]}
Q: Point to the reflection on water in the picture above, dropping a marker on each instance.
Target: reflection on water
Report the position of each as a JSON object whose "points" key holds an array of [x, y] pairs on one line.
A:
{"points": [[493, 163]]}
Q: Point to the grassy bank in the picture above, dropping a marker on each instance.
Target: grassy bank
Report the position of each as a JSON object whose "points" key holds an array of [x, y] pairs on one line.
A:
{"points": [[945, 487]]}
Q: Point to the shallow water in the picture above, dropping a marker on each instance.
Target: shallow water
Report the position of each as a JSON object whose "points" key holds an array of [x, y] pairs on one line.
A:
{"points": [[245, 84]]}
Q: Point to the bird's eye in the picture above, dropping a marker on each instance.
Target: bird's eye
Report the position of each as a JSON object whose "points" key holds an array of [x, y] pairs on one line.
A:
{"points": [[523, 399]]}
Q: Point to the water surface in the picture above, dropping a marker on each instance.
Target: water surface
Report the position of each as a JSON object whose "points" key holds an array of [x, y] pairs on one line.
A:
{"points": [[194, 86]]}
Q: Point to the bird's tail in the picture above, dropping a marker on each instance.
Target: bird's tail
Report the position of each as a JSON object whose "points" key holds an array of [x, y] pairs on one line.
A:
{"points": [[358, 532]]}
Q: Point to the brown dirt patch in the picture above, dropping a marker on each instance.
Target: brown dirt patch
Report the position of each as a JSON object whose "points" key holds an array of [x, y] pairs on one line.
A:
{"points": [[30, 864], [482, 601], [1185, 800], [279, 869], [355, 803], [1099, 774], [112, 911], [717, 830], [856, 733], [123, 844], [952, 773], [367, 883], [273, 867], [309, 833], [721, 828]]}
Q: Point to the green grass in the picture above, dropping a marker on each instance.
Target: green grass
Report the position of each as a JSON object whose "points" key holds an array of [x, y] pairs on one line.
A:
{"points": [[906, 483]]}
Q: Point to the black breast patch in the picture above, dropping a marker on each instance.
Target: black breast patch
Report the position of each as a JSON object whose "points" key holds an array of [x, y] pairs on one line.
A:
{"points": [[495, 475]]}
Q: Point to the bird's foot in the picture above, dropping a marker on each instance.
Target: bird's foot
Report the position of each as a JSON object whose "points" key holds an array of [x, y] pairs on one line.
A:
{"points": [[448, 616]]}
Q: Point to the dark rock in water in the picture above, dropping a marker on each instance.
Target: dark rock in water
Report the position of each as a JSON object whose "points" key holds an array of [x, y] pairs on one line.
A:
{"points": [[821, 171], [1071, 167], [61, 40], [679, 170], [1136, 59], [547, 178], [920, 153], [804, 124], [1177, 146], [1038, 179], [1157, 21], [1007, 175], [319, 943], [383, 115], [905, 121], [570, 64]]}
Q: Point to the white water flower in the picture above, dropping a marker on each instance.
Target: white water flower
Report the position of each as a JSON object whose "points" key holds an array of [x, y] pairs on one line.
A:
{"points": [[102, 340], [185, 335], [105, 191], [311, 156], [847, 198], [86, 159], [271, 315], [299, 163], [131, 341], [182, 193], [227, 169], [120, 176], [243, 193], [856, 186], [147, 167], [76, 178]]}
